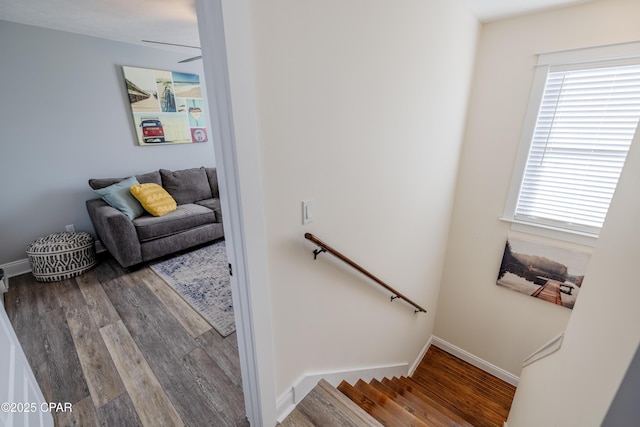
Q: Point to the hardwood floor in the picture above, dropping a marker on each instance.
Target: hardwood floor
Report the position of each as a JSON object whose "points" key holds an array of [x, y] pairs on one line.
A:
{"points": [[125, 350], [444, 391], [480, 398]]}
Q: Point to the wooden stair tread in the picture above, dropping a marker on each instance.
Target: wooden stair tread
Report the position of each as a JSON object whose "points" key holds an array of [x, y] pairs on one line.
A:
{"points": [[464, 383], [415, 388], [460, 385], [397, 398], [440, 366], [456, 399], [324, 407], [418, 408], [296, 419], [400, 414], [376, 411], [435, 412], [476, 415], [348, 405]]}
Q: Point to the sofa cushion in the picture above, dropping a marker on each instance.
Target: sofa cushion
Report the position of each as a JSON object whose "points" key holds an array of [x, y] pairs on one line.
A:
{"points": [[187, 185], [153, 198], [185, 217], [98, 183], [118, 196], [214, 205]]}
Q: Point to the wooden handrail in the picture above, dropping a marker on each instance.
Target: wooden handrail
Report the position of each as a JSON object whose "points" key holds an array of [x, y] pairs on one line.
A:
{"points": [[326, 248]]}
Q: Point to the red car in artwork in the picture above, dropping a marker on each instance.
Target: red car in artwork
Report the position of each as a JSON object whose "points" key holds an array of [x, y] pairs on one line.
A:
{"points": [[152, 130]]}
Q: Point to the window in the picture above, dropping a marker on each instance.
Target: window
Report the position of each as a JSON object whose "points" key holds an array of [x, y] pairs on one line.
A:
{"points": [[581, 121]]}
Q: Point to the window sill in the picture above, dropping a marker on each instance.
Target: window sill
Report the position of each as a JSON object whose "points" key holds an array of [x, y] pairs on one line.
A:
{"points": [[580, 238]]}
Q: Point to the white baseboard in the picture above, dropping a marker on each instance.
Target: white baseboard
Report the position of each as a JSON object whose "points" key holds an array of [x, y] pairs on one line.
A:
{"points": [[16, 268], [424, 350], [298, 391], [285, 405], [476, 361]]}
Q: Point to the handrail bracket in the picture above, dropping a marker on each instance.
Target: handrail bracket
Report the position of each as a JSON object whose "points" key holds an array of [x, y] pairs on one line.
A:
{"points": [[317, 252]]}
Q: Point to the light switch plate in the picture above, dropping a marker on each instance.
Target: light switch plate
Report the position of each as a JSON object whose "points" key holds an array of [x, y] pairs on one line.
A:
{"points": [[307, 211]]}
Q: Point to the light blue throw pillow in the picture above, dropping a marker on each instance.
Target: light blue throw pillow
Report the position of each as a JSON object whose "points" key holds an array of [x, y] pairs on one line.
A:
{"points": [[119, 197]]}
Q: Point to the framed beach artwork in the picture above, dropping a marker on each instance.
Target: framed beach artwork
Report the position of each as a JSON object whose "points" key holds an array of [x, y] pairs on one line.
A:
{"points": [[166, 106], [543, 271]]}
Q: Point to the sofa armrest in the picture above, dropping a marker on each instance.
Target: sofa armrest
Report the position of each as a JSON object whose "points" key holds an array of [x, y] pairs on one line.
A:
{"points": [[116, 231]]}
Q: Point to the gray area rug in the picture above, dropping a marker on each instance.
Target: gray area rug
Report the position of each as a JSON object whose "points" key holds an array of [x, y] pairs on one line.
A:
{"points": [[201, 277]]}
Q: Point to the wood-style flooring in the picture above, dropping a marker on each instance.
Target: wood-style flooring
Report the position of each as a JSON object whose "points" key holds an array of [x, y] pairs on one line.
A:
{"points": [[444, 391], [477, 396], [125, 350]]}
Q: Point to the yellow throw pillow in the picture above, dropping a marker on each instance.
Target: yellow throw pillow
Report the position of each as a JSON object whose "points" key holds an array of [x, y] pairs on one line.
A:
{"points": [[154, 199]]}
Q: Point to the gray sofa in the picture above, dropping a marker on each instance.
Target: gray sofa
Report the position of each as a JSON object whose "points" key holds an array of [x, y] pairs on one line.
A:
{"points": [[197, 219]]}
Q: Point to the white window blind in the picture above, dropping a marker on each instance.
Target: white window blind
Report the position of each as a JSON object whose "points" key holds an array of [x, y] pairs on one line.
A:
{"points": [[585, 125]]}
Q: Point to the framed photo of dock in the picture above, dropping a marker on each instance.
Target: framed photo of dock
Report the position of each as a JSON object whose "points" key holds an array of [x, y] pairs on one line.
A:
{"points": [[549, 273], [166, 106]]}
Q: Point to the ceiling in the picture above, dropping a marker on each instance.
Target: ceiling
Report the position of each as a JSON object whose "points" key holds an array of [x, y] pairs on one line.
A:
{"points": [[122, 20], [174, 21], [492, 10]]}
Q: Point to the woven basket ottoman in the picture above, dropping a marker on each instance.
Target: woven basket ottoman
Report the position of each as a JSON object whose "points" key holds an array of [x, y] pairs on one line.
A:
{"points": [[60, 256]]}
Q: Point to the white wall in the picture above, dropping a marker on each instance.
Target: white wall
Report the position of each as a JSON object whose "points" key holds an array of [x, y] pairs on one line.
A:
{"points": [[361, 106], [576, 385], [491, 322], [624, 410], [65, 118]]}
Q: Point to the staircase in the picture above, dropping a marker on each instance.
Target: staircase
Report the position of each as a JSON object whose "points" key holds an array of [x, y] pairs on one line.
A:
{"points": [[326, 407], [401, 402], [443, 391]]}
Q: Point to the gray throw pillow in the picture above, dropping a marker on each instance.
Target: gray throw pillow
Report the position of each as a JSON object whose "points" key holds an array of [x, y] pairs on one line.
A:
{"points": [[119, 197], [187, 185], [145, 178]]}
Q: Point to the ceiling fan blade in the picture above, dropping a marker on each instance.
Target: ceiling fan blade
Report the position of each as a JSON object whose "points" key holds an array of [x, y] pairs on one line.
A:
{"points": [[190, 59], [171, 44]]}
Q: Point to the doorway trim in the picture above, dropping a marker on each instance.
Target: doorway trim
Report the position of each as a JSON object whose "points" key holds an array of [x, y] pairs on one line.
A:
{"points": [[225, 37]]}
